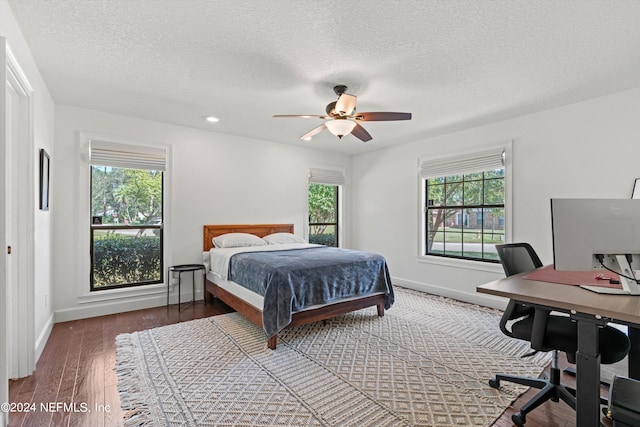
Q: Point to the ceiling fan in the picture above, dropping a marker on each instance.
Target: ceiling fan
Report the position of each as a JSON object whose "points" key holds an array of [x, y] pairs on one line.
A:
{"points": [[343, 119]]}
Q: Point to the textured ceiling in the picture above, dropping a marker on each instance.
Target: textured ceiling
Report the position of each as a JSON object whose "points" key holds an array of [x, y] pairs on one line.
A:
{"points": [[452, 63]]}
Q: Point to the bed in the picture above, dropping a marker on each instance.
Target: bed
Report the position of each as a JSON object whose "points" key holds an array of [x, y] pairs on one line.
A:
{"points": [[373, 289]]}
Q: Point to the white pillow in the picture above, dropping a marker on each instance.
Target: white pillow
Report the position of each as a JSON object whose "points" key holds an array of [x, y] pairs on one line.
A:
{"points": [[237, 240], [281, 238]]}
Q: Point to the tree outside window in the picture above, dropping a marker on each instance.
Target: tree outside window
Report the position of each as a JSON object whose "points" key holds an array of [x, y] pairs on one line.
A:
{"points": [[465, 215]]}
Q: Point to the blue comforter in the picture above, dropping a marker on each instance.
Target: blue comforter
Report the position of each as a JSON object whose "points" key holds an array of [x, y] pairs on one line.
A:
{"points": [[295, 279]]}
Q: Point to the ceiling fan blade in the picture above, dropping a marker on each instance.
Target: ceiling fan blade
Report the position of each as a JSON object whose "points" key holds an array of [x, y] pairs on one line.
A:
{"points": [[346, 104], [301, 116], [360, 133], [314, 131], [382, 116]]}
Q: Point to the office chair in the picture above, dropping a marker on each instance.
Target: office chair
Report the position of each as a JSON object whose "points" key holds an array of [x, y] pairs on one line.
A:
{"points": [[546, 332], [624, 403]]}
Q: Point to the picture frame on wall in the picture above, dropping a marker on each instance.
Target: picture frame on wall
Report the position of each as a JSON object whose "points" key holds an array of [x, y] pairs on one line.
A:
{"points": [[44, 179], [635, 194]]}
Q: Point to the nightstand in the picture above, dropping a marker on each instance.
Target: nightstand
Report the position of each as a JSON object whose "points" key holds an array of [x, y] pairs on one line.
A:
{"points": [[184, 268]]}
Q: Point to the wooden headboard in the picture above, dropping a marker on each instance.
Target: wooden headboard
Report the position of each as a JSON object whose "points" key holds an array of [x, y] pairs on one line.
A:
{"points": [[260, 230]]}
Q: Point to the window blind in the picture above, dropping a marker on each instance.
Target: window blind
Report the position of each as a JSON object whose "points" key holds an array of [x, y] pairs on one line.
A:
{"points": [[106, 153], [326, 176], [466, 163]]}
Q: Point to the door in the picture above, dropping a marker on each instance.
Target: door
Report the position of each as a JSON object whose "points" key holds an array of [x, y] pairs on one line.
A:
{"points": [[4, 303]]}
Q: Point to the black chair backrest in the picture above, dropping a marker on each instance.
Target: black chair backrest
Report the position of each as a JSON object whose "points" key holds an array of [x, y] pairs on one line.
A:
{"points": [[518, 258]]}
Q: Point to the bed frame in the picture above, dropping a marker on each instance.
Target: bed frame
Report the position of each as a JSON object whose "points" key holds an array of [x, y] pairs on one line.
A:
{"points": [[254, 314]]}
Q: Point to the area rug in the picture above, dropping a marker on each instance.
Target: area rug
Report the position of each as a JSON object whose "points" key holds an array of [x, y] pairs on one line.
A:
{"points": [[427, 362]]}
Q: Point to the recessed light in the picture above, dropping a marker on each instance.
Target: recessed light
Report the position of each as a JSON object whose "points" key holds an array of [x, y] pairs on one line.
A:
{"points": [[212, 119], [307, 138]]}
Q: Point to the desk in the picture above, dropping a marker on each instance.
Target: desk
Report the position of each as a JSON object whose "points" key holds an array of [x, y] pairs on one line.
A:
{"points": [[591, 311]]}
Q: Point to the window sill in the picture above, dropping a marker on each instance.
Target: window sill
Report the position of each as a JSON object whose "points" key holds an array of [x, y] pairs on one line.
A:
{"points": [[461, 263], [122, 293]]}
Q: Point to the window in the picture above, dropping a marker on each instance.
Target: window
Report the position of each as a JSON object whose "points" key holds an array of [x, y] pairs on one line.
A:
{"points": [[126, 215], [324, 202], [323, 214], [464, 206]]}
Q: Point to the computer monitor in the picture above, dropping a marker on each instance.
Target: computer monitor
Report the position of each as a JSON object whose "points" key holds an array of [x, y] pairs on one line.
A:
{"points": [[592, 234]]}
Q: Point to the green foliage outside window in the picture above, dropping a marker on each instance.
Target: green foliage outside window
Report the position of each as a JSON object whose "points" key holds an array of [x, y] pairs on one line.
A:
{"points": [[122, 259], [323, 214], [125, 255]]}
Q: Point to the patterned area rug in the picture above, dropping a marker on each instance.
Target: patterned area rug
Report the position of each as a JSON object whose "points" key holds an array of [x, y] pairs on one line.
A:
{"points": [[427, 362]]}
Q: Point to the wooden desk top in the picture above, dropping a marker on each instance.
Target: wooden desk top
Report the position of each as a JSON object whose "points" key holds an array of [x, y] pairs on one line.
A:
{"points": [[622, 308]]}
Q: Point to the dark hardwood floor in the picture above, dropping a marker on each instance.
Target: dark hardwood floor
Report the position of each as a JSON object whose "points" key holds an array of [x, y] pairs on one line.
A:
{"points": [[75, 382], [77, 368]]}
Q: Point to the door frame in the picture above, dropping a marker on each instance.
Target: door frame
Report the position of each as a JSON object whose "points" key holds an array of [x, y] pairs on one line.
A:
{"points": [[18, 311]]}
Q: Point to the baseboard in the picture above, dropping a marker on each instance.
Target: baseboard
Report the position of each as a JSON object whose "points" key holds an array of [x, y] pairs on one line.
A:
{"points": [[471, 297], [119, 306], [42, 339], [104, 308]]}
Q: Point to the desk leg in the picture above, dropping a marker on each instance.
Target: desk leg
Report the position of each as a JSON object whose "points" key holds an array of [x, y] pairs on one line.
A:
{"points": [[634, 354], [193, 287], [204, 286], [588, 371]]}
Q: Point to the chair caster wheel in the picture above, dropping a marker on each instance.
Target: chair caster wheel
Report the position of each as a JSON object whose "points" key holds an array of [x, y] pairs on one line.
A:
{"points": [[518, 419], [494, 383]]}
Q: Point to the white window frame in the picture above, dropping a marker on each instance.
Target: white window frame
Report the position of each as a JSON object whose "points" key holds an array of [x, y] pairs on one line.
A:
{"points": [[85, 295], [328, 176], [507, 147]]}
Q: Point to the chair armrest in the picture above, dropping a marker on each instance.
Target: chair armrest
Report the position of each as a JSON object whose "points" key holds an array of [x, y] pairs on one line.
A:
{"points": [[507, 315], [539, 330], [515, 310]]}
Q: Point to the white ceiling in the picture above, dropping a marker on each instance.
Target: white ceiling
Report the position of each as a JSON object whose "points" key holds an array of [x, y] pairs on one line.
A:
{"points": [[452, 63]]}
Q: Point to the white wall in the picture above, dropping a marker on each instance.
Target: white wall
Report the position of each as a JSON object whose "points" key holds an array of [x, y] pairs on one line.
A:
{"points": [[214, 179], [43, 118], [588, 149]]}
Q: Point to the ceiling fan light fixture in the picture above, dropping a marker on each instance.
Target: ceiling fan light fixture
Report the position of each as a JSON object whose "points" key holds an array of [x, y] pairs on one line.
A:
{"points": [[340, 127], [342, 118]]}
